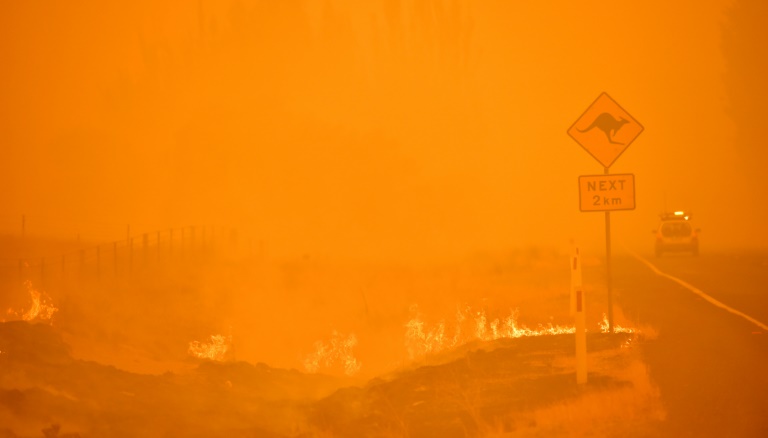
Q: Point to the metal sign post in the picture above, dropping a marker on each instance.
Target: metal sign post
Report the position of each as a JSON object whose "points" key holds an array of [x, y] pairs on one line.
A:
{"points": [[608, 265], [606, 130]]}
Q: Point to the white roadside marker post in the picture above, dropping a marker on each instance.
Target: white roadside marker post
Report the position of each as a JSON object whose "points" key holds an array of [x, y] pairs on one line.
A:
{"points": [[577, 309]]}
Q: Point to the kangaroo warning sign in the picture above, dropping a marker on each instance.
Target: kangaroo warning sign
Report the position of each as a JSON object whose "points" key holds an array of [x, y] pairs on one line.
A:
{"points": [[607, 192], [605, 130]]}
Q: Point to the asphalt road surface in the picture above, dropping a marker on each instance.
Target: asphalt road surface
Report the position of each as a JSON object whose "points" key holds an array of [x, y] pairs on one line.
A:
{"points": [[710, 359]]}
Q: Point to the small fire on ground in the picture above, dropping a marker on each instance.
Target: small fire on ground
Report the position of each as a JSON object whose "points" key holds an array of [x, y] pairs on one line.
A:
{"points": [[216, 348], [422, 338], [605, 327], [336, 352], [41, 309]]}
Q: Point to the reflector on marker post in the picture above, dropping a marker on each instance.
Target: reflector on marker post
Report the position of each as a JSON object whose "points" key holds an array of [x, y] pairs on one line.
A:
{"points": [[575, 277]]}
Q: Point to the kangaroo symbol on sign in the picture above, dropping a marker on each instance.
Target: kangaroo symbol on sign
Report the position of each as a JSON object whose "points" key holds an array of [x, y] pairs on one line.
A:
{"points": [[608, 124]]}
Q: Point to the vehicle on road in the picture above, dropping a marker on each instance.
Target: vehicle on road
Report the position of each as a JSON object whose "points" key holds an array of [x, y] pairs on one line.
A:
{"points": [[676, 234]]}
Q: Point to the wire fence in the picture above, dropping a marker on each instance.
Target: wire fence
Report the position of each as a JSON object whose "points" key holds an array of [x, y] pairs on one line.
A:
{"points": [[121, 258]]}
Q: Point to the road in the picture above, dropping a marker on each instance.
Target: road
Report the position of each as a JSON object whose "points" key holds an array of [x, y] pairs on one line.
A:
{"points": [[709, 362]]}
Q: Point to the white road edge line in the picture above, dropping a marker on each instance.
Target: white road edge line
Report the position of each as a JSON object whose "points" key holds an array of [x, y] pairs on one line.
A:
{"points": [[698, 292]]}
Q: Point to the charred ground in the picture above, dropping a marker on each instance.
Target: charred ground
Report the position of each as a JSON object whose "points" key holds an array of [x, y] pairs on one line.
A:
{"points": [[476, 390]]}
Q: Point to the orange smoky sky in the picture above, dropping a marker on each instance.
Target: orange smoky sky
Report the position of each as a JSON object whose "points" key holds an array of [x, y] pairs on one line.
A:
{"points": [[363, 129]]}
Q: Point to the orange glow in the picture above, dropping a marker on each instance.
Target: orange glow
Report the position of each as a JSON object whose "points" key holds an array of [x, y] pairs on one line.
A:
{"points": [[307, 170]]}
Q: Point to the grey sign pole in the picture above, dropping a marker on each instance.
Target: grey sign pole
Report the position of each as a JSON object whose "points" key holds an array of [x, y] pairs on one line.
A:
{"points": [[608, 265]]}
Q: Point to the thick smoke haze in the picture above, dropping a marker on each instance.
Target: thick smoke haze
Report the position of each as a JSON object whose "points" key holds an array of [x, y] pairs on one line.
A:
{"points": [[402, 130], [307, 215]]}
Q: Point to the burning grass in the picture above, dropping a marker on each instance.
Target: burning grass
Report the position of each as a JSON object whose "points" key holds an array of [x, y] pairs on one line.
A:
{"points": [[508, 387], [605, 327], [380, 364], [423, 339], [522, 386], [40, 310], [216, 349], [335, 352]]}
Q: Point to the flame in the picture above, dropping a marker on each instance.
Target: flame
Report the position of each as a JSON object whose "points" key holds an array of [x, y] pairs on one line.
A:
{"points": [[41, 309], [216, 349], [336, 351], [422, 339], [604, 326]]}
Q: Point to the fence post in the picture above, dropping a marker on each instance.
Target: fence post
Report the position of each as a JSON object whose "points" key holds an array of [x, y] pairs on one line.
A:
{"points": [[98, 262]]}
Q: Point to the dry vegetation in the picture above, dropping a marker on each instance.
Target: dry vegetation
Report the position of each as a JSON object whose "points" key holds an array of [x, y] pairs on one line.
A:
{"points": [[115, 360]]}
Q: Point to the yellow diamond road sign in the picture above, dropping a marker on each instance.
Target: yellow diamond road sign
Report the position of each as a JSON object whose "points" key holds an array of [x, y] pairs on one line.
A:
{"points": [[605, 130]]}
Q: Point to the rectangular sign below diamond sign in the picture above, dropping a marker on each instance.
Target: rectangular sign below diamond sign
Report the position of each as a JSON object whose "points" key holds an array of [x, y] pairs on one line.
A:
{"points": [[607, 192]]}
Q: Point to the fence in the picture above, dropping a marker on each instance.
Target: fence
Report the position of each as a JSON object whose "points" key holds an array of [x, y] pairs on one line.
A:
{"points": [[120, 259]]}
